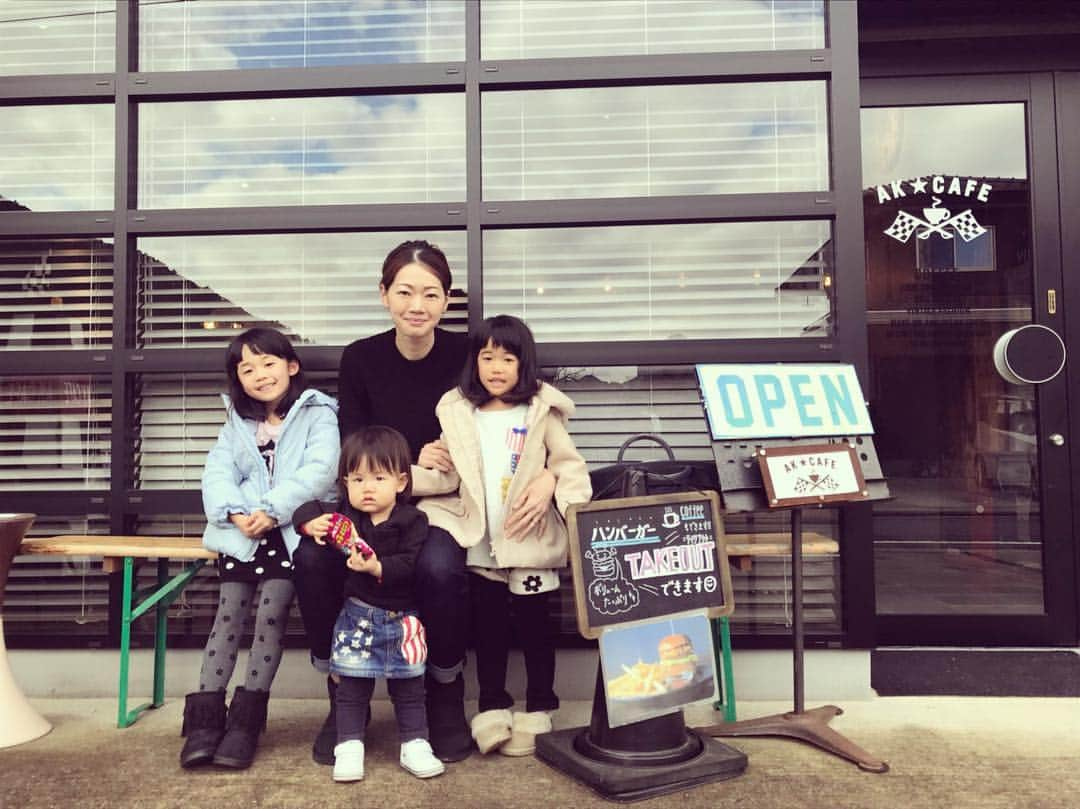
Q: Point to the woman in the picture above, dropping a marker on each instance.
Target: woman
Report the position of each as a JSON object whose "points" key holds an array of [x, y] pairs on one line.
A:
{"points": [[396, 378]]}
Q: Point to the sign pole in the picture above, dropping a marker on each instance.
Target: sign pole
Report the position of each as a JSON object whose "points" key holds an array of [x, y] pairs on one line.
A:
{"points": [[809, 726], [797, 634]]}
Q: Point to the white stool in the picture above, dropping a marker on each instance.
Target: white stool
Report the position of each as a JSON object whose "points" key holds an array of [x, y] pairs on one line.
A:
{"points": [[21, 723]]}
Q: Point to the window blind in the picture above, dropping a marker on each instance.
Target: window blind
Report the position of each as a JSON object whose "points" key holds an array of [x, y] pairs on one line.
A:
{"points": [[534, 29], [55, 293], [57, 157], [239, 34], [57, 36], [48, 594], [754, 137], [319, 288], [55, 432], [302, 151], [664, 282]]}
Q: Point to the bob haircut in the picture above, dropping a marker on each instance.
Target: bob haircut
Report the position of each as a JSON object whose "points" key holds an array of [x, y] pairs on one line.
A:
{"points": [[511, 334], [383, 448], [261, 341], [417, 251]]}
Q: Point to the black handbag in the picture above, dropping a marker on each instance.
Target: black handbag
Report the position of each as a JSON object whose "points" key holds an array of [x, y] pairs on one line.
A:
{"points": [[635, 478]]}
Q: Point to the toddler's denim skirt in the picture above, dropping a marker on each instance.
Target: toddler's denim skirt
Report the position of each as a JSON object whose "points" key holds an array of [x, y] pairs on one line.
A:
{"points": [[372, 642]]}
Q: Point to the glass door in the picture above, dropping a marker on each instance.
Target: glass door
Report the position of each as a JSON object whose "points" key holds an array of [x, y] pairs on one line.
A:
{"points": [[962, 245]]}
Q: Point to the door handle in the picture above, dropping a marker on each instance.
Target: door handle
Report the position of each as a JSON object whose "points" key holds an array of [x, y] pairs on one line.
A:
{"points": [[1057, 439]]}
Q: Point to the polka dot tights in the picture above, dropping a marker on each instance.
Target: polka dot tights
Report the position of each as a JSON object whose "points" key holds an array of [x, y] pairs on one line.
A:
{"points": [[234, 607]]}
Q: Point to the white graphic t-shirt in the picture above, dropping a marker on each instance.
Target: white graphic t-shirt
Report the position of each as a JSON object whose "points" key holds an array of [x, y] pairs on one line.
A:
{"points": [[502, 437]]}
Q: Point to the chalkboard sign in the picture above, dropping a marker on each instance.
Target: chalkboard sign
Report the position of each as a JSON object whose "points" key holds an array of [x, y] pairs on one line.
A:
{"points": [[636, 558]]}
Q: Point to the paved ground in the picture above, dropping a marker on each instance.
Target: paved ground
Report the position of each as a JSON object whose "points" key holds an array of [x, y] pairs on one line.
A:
{"points": [[943, 753]]}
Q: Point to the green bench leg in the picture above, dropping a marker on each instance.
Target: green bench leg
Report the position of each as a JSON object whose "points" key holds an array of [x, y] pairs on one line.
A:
{"points": [[161, 630], [159, 600], [124, 717], [721, 628]]}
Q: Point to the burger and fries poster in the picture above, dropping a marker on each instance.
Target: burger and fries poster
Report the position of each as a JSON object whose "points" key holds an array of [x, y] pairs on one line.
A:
{"points": [[655, 668], [649, 573]]}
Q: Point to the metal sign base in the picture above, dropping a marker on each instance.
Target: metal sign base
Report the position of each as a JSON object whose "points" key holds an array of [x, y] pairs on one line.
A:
{"points": [[809, 726]]}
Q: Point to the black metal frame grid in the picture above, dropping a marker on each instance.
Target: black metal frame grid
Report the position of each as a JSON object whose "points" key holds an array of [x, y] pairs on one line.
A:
{"points": [[127, 87]]}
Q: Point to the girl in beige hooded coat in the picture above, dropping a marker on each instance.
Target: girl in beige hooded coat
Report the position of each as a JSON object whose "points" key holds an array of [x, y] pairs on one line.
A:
{"points": [[502, 426]]}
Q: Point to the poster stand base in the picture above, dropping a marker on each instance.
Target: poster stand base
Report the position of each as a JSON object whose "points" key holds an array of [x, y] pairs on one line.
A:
{"points": [[811, 726], [635, 781], [640, 760]]}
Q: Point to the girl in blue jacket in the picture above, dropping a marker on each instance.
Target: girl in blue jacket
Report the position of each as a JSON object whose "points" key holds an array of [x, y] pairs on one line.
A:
{"points": [[278, 449]]}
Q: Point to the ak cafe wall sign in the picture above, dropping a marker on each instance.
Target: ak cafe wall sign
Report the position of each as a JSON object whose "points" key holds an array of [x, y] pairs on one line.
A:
{"points": [[935, 218], [1028, 355]]}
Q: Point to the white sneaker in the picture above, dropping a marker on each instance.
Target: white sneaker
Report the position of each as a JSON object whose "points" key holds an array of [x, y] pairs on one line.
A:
{"points": [[349, 761], [418, 758]]}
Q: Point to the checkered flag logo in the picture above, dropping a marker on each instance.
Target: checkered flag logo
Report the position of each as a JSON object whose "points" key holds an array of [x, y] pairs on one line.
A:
{"points": [[903, 226], [938, 220], [966, 227]]}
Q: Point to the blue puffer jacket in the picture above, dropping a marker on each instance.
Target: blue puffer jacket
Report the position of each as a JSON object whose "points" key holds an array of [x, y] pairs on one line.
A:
{"points": [[236, 480]]}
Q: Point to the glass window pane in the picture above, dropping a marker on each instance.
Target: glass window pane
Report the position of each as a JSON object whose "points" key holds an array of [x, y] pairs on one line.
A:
{"points": [[302, 151], [55, 433], [177, 419], [56, 158], [319, 288], [55, 293], [655, 141], [238, 34], [57, 36], [57, 595], [531, 29], [947, 211], [663, 282]]}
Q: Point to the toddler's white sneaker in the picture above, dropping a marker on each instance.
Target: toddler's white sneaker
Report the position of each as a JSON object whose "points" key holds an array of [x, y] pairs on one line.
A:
{"points": [[418, 758], [349, 761]]}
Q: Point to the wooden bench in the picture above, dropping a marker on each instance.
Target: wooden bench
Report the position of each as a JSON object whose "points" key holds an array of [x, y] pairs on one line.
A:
{"points": [[742, 548], [741, 551], [119, 554]]}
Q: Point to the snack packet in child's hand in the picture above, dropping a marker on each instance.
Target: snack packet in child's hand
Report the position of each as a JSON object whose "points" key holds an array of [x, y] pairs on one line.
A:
{"points": [[341, 533]]}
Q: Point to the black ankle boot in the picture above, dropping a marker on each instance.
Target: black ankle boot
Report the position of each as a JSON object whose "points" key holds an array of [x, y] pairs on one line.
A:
{"points": [[204, 725], [245, 721], [323, 748], [447, 728]]}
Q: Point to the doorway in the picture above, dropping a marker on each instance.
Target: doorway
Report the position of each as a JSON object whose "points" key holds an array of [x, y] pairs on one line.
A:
{"points": [[963, 243]]}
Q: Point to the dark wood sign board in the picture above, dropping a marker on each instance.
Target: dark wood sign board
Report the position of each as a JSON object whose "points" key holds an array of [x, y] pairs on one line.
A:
{"points": [[636, 558], [816, 473]]}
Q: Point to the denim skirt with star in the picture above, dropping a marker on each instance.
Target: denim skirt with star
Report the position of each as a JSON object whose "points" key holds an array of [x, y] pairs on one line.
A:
{"points": [[372, 642]]}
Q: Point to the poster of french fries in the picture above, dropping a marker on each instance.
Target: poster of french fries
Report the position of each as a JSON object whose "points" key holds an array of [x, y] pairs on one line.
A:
{"points": [[656, 667]]}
